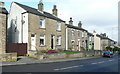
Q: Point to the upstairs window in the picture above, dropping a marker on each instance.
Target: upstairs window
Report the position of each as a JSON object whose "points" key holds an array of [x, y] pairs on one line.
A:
{"points": [[58, 26], [42, 40], [42, 23], [90, 38], [82, 34]]}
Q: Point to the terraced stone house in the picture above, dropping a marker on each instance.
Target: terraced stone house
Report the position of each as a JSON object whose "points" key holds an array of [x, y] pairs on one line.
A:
{"points": [[76, 37], [90, 41], [106, 41], [39, 29]]}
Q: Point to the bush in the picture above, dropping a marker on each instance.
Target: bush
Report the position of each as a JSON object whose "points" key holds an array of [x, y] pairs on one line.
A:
{"points": [[51, 51], [43, 51]]}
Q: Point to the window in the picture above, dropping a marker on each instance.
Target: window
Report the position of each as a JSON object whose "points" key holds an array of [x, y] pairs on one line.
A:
{"points": [[58, 26], [72, 41], [42, 40], [72, 33], [90, 38], [42, 23], [82, 34], [58, 40], [78, 33]]}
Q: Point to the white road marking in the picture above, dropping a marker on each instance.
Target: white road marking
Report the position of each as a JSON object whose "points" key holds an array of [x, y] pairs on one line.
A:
{"points": [[111, 60], [93, 63], [101, 62], [68, 67], [56, 69]]}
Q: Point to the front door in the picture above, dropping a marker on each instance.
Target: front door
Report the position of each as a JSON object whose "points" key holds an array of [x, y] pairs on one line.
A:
{"points": [[52, 41], [79, 44], [33, 42]]}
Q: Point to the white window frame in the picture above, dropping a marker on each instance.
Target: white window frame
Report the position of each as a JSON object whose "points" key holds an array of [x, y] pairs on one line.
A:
{"points": [[82, 34], [59, 40], [43, 39], [90, 38], [42, 20], [58, 26]]}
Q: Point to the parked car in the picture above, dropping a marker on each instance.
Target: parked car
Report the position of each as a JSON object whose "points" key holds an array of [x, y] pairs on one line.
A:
{"points": [[107, 54]]}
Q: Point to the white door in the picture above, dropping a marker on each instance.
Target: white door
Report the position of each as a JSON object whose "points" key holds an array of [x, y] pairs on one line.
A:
{"points": [[33, 42], [79, 44]]}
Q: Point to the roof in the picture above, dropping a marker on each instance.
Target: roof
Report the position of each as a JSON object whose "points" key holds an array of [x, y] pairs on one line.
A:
{"points": [[75, 27], [98, 35], [37, 12], [107, 38], [3, 10], [90, 34]]}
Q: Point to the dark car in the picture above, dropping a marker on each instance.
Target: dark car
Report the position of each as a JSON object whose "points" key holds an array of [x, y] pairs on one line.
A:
{"points": [[107, 54]]}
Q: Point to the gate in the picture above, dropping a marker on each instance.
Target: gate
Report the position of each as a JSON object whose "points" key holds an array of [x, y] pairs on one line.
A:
{"points": [[19, 48]]}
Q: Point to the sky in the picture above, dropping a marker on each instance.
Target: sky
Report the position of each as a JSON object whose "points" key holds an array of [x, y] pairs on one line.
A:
{"points": [[98, 15]]}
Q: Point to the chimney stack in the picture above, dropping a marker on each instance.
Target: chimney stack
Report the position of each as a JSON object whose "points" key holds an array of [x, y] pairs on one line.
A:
{"points": [[54, 10], [70, 22], [40, 6], [79, 24], [1, 4]]}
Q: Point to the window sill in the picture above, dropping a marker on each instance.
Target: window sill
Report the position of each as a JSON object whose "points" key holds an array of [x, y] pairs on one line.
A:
{"points": [[42, 28], [58, 45], [42, 45], [58, 30]]}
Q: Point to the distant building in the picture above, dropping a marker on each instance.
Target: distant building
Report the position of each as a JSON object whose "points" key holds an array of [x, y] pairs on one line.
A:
{"points": [[76, 37], [97, 41], [106, 41], [90, 41], [39, 29], [3, 26]]}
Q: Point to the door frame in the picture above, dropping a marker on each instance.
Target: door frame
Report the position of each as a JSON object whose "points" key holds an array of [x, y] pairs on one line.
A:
{"points": [[34, 47], [53, 41]]}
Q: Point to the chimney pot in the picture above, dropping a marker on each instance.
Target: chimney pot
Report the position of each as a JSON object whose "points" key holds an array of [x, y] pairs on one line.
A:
{"points": [[2, 4]]}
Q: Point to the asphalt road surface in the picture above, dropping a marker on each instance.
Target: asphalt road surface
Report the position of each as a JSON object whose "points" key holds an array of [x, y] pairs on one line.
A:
{"points": [[99, 64]]}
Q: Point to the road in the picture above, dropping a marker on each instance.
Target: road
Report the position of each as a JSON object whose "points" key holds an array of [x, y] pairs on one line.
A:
{"points": [[99, 64]]}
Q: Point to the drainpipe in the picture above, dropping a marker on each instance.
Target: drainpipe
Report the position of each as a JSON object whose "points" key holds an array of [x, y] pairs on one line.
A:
{"points": [[22, 26]]}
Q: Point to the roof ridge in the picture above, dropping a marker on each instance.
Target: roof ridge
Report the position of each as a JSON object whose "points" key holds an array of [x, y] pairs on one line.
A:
{"points": [[25, 5], [37, 12]]}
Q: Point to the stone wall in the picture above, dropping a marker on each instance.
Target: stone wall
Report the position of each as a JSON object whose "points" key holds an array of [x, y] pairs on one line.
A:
{"points": [[65, 55], [8, 57], [3, 24]]}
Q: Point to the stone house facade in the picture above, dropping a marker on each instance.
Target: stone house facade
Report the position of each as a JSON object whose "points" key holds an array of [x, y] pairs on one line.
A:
{"points": [[39, 29], [106, 41], [97, 41], [90, 41], [3, 30], [76, 37]]}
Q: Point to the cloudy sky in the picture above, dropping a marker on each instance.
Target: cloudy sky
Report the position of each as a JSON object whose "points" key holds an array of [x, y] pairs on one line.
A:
{"points": [[98, 15]]}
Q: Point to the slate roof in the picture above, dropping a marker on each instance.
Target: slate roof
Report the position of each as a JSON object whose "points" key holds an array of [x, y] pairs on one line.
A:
{"points": [[90, 34], [107, 38], [98, 35], [75, 27], [102, 37], [37, 12], [3, 10]]}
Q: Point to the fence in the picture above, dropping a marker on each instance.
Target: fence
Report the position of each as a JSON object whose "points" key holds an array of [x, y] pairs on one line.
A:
{"points": [[19, 48]]}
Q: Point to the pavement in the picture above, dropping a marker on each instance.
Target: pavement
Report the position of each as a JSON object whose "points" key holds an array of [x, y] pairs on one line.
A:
{"points": [[27, 60], [89, 64]]}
